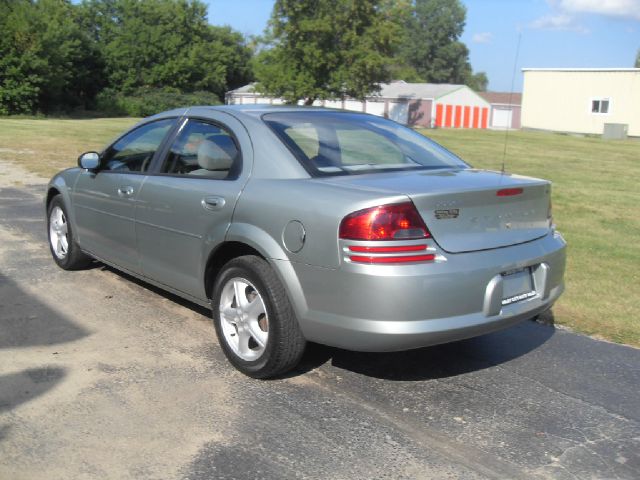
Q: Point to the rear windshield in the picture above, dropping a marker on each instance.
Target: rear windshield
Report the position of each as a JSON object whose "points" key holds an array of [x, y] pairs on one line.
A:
{"points": [[336, 143]]}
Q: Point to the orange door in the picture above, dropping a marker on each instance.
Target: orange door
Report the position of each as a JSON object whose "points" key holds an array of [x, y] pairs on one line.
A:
{"points": [[467, 115], [448, 121], [439, 113]]}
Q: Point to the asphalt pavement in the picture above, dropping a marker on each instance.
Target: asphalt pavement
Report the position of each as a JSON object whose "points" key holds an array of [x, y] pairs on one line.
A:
{"points": [[103, 376]]}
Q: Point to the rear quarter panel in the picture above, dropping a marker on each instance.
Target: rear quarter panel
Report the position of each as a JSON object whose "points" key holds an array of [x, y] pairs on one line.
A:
{"points": [[270, 204]]}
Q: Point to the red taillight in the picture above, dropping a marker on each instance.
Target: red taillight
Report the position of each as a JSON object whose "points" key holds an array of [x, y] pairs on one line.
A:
{"points": [[400, 221], [509, 192]]}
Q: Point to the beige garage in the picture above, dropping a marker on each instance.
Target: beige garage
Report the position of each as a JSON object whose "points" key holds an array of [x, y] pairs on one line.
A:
{"points": [[581, 100]]}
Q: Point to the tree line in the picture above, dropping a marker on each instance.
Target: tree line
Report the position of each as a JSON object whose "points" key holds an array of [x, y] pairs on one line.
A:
{"points": [[328, 49], [138, 57]]}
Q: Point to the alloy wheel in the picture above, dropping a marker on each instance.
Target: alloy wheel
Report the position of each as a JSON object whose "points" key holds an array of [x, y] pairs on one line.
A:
{"points": [[58, 232], [244, 319]]}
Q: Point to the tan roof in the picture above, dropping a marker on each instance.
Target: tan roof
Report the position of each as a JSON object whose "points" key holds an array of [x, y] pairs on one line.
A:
{"points": [[249, 88], [416, 90], [502, 98], [398, 89]]}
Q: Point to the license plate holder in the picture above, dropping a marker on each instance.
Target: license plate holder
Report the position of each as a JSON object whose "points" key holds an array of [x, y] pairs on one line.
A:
{"points": [[517, 285]]}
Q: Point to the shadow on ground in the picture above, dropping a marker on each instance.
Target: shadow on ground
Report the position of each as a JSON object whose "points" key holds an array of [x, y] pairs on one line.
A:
{"points": [[439, 361], [26, 322], [20, 387], [427, 363], [158, 291]]}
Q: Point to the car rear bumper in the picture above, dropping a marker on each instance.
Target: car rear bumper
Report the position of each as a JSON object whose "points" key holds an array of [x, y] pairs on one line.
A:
{"points": [[391, 308]]}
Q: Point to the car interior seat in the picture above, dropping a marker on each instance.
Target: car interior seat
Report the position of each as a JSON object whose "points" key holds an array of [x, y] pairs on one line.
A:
{"points": [[213, 159]]}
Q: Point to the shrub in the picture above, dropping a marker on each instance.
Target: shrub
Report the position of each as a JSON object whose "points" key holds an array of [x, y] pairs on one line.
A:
{"points": [[149, 101]]}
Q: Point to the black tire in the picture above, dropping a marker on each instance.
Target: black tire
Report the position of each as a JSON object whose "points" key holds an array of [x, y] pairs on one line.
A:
{"points": [[285, 343], [73, 258]]}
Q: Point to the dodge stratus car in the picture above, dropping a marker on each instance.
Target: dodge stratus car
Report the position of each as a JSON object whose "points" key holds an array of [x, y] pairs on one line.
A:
{"points": [[301, 225]]}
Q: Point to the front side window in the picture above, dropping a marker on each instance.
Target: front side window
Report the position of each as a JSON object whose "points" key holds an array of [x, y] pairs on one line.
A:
{"points": [[335, 143], [134, 151], [600, 106], [203, 150]]}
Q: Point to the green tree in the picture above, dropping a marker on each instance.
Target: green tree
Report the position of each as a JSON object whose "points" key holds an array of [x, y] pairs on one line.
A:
{"points": [[72, 59], [45, 58], [326, 49], [165, 44], [431, 44], [477, 81], [20, 59], [637, 65]]}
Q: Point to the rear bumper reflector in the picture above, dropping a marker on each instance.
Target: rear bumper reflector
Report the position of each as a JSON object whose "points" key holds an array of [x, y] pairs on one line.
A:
{"points": [[402, 249], [400, 259]]}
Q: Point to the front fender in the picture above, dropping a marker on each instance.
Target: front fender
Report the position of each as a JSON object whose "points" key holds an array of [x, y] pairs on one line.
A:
{"points": [[63, 183]]}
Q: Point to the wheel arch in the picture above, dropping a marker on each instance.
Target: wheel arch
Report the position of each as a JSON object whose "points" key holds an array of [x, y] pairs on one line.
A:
{"points": [[220, 256], [245, 239], [61, 184], [51, 192]]}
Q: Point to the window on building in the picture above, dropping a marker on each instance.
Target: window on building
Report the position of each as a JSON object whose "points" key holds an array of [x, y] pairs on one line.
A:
{"points": [[600, 105]]}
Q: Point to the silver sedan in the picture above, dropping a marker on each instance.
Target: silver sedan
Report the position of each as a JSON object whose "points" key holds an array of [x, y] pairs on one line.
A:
{"points": [[303, 224]]}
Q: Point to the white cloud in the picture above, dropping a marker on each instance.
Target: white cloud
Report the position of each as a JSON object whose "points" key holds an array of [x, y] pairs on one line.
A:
{"points": [[482, 37], [559, 21], [565, 13], [612, 8]]}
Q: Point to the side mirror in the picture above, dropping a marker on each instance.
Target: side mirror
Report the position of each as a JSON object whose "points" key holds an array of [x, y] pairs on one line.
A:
{"points": [[89, 161]]}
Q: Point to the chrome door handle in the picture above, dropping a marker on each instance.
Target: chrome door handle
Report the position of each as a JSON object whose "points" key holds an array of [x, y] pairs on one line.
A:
{"points": [[213, 203], [125, 191]]}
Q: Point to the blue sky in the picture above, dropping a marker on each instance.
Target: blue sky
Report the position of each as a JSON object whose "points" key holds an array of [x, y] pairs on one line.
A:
{"points": [[554, 33]]}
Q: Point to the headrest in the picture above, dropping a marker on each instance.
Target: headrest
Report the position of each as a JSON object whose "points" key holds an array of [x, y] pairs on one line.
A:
{"points": [[226, 143], [212, 157]]}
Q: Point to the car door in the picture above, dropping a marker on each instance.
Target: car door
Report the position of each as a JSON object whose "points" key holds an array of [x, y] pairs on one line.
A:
{"points": [[184, 210], [104, 200]]}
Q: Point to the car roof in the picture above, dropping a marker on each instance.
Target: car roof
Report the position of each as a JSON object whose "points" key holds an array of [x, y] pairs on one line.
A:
{"points": [[257, 110], [247, 112]]}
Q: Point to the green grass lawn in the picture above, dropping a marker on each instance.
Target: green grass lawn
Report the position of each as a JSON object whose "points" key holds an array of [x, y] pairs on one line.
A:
{"points": [[595, 200], [45, 146]]}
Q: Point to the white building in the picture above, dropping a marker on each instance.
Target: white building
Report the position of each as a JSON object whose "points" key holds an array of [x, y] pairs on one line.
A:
{"points": [[581, 100], [416, 104], [505, 109]]}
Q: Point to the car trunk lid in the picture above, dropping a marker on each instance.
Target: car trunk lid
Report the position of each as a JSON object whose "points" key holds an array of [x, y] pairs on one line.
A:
{"points": [[468, 210]]}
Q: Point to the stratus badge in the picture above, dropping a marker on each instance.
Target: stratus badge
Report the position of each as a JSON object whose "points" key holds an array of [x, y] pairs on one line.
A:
{"points": [[446, 214]]}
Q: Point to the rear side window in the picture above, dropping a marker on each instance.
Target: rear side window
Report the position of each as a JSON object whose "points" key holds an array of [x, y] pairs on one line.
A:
{"points": [[305, 136], [203, 150], [335, 143], [134, 151]]}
